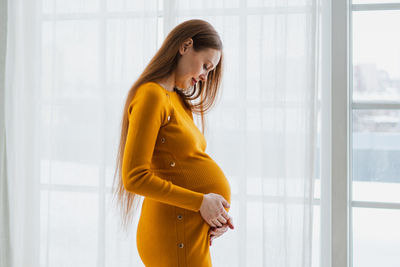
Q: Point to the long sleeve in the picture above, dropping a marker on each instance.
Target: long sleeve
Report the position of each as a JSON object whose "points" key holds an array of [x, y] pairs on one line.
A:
{"points": [[148, 112]]}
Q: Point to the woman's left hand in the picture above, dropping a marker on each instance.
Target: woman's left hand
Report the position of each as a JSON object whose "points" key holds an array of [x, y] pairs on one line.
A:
{"points": [[215, 232]]}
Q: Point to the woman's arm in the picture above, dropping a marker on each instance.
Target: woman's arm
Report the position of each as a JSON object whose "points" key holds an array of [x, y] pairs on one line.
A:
{"points": [[147, 113]]}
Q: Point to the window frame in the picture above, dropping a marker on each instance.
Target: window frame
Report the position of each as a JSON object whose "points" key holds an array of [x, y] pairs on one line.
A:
{"points": [[336, 136], [335, 193]]}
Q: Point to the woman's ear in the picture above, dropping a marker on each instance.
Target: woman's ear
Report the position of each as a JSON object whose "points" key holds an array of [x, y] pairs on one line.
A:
{"points": [[184, 47]]}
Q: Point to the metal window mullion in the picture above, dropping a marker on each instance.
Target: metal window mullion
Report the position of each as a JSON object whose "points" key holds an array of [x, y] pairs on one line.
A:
{"points": [[375, 105], [340, 192], [350, 135], [375, 7], [375, 205]]}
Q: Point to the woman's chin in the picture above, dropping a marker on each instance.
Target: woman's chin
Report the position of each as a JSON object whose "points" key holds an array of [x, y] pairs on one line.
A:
{"points": [[187, 86]]}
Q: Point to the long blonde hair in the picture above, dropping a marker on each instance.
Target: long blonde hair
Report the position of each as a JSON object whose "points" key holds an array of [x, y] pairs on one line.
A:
{"points": [[161, 66]]}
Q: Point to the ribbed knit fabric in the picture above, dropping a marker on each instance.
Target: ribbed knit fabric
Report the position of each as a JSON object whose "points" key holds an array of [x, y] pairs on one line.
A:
{"points": [[165, 161]]}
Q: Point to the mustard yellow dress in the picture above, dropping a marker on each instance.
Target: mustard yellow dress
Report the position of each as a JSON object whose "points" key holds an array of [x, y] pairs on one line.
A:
{"points": [[165, 161]]}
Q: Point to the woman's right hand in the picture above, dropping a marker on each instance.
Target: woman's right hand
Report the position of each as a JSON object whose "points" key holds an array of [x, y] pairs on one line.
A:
{"points": [[213, 212]]}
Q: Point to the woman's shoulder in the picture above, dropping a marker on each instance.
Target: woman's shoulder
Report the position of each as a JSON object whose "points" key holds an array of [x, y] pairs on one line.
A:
{"points": [[149, 94], [151, 89], [152, 86]]}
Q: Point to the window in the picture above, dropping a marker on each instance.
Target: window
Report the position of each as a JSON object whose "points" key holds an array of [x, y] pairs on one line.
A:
{"points": [[375, 132]]}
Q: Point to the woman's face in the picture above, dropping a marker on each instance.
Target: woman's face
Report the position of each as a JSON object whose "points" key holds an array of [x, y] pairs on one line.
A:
{"points": [[194, 65]]}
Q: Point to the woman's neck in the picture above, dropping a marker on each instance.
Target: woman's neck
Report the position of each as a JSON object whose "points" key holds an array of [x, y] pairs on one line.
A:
{"points": [[168, 83]]}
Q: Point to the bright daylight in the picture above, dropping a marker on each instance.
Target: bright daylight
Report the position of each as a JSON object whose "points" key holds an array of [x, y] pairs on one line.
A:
{"points": [[199, 133]]}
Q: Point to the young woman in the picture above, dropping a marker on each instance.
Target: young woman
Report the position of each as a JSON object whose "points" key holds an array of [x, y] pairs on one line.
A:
{"points": [[162, 152]]}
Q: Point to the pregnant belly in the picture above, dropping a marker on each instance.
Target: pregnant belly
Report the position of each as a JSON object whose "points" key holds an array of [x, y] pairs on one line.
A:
{"points": [[205, 176]]}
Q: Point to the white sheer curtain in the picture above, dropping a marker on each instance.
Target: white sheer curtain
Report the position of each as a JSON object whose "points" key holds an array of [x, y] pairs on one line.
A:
{"points": [[69, 65]]}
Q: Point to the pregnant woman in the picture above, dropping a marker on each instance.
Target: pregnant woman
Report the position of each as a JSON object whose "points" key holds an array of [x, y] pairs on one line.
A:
{"points": [[162, 152]]}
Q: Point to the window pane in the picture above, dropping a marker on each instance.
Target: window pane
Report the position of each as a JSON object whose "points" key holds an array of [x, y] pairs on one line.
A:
{"points": [[376, 237], [376, 55], [376, 152]]}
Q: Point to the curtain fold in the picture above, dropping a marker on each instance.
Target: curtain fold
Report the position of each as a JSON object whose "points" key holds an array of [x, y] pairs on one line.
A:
{"points": [[21, 103], [69, 65]]}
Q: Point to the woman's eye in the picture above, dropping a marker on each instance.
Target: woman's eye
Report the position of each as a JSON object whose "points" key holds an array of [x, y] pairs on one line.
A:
{"points": [[205, 67]]}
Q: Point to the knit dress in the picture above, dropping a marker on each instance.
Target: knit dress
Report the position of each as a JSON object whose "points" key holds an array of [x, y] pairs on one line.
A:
{"points": [[165, 161]]}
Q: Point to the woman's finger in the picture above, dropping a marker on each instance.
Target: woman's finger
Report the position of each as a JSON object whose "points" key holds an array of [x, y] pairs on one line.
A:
{"points": [[217, 223], [230, 223], [218, 231], [221, 219], [225, 215], [212, 224], [222, 229]]}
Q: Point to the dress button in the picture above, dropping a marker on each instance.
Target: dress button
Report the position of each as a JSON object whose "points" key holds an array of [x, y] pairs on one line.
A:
{"points": [[172, 164], [163, 140], [180, 217], [181, 245], [169, 117]]}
